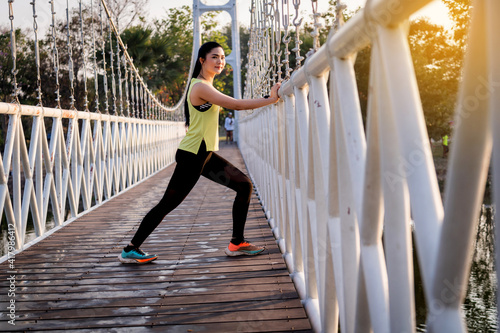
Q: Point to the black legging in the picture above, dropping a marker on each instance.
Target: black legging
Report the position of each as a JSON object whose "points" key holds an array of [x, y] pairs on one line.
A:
{"points": [[187, 172]]}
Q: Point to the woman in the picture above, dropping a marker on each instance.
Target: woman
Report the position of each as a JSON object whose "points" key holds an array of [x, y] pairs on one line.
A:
{"points": [[196, 156]]}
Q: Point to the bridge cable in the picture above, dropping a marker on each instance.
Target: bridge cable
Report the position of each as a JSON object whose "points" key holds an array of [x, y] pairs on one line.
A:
{"points": [[277, 41], [137, 103], [317, 26], [37, 57], [268, 55], [112, 68], [55, 54], [298, 41], [249, 76], [272, 12], [125, 80], [119, 72], [13, 48], [70, 62], [286, 38], [94, 57], [103, 53], [133, 91], [84, 56]]}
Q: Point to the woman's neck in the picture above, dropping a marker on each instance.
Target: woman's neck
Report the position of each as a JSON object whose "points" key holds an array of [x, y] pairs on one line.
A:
{"points": [[209, 79]]}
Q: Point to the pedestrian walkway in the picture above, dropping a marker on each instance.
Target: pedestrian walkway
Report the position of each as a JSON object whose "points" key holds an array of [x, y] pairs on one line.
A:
{"points": [[72, 280]]}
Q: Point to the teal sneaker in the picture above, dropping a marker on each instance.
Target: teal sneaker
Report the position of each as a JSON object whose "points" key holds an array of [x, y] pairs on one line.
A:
{"points": [[136, 256]]}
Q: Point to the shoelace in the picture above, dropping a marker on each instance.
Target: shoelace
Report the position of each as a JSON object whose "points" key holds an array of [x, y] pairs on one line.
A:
{"points": [[140, 252]]}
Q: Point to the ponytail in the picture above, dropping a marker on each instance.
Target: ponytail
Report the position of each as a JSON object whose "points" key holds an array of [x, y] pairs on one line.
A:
{"points": [[202, 53]]}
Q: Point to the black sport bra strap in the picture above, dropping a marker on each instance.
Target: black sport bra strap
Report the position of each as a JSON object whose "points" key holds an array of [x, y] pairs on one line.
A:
{"points": [[203, 107]]}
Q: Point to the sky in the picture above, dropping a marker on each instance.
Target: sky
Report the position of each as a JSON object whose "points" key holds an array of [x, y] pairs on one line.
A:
{"points": [[436, 11], [23, 12]]}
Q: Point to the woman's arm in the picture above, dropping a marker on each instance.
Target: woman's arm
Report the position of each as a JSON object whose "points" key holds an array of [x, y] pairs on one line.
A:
{"points": [[202, 93]]}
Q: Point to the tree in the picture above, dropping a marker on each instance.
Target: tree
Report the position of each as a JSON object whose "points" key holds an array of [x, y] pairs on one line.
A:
{"points": [[125, 13], [437, 63], [140, 47], [437, 60], [459, 12], [169, 74]]}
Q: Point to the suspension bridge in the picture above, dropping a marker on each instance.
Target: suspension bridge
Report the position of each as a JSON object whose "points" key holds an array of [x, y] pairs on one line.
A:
{"points": [[337, 205]]}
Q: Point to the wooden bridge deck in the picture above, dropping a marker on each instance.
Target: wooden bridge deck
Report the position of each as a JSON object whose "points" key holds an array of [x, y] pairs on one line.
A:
{"points": [[72, 280]]}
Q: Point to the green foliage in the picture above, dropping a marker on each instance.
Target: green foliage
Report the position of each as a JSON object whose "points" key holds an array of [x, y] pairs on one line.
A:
{"points": [[437, 59], [437, 62], [25, 64], [459, 12], [169, 74], [140, 47]]}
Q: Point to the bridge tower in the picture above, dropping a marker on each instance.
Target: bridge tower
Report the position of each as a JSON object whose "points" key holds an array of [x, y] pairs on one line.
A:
{"points": [[234, 59]]}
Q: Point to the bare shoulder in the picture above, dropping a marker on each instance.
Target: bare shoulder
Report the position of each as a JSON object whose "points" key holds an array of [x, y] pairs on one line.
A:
{"points": [[201, 86], [199, 91], [205, 92]]}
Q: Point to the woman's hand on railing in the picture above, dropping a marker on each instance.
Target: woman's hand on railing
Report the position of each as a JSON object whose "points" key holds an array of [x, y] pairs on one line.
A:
{"points": [[274, 92]]}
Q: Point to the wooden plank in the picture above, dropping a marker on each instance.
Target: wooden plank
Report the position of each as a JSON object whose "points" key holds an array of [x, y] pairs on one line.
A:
{"points": [[289, 304], [107, 285], [73, 303], [73, 281], [240, 323]]}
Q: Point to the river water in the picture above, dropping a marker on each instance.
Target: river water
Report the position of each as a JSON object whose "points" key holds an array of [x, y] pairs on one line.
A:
{"points": [[479, 306], [480, 303]]}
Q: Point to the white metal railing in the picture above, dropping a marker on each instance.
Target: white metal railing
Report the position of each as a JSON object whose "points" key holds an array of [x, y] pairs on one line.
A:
{"points": [[95, 158], [330, 193], [88, 157]]}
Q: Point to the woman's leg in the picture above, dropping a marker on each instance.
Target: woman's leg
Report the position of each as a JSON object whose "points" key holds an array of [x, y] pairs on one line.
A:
{"points": [[221, 171], [185, 176]]}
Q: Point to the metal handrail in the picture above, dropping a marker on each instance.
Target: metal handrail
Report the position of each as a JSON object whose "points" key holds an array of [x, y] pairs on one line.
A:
{"points": [[331, 191]]}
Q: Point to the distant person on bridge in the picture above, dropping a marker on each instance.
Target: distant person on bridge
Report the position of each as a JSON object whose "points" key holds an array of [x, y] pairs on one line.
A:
{"points": [[196, 156], [229, 127]]}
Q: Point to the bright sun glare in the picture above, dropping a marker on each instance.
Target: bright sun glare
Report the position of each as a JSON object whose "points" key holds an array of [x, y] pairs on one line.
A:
{"points": [[437, 12]]}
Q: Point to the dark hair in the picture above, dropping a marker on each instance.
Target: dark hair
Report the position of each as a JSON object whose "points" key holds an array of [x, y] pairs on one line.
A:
{"points": [[202, 53]]}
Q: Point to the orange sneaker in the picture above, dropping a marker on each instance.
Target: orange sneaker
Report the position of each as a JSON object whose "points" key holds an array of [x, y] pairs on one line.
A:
{"points": [[244, 248]]}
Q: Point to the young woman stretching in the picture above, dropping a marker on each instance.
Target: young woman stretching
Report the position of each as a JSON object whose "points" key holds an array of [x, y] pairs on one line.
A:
{"points": [[196, 156]]}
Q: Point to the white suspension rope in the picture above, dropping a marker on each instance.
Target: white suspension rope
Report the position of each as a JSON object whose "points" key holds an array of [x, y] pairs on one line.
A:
{"points": [[55, 54], [94, 57], [13, 48], [127, 99], [37, 57], [137, 98], [103, 53], [272, 26], [296, 49], [317, 26], [70, 62], [277, 41], [84, 56], [132, 92], [119, 72], [112, 68], [286, 38]]}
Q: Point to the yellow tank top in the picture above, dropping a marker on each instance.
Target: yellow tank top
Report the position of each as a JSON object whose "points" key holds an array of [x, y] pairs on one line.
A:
{"points": [[203, 126]]}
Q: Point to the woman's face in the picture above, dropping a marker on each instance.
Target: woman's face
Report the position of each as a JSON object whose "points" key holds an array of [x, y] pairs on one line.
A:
{"points": [[214, 61]]}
